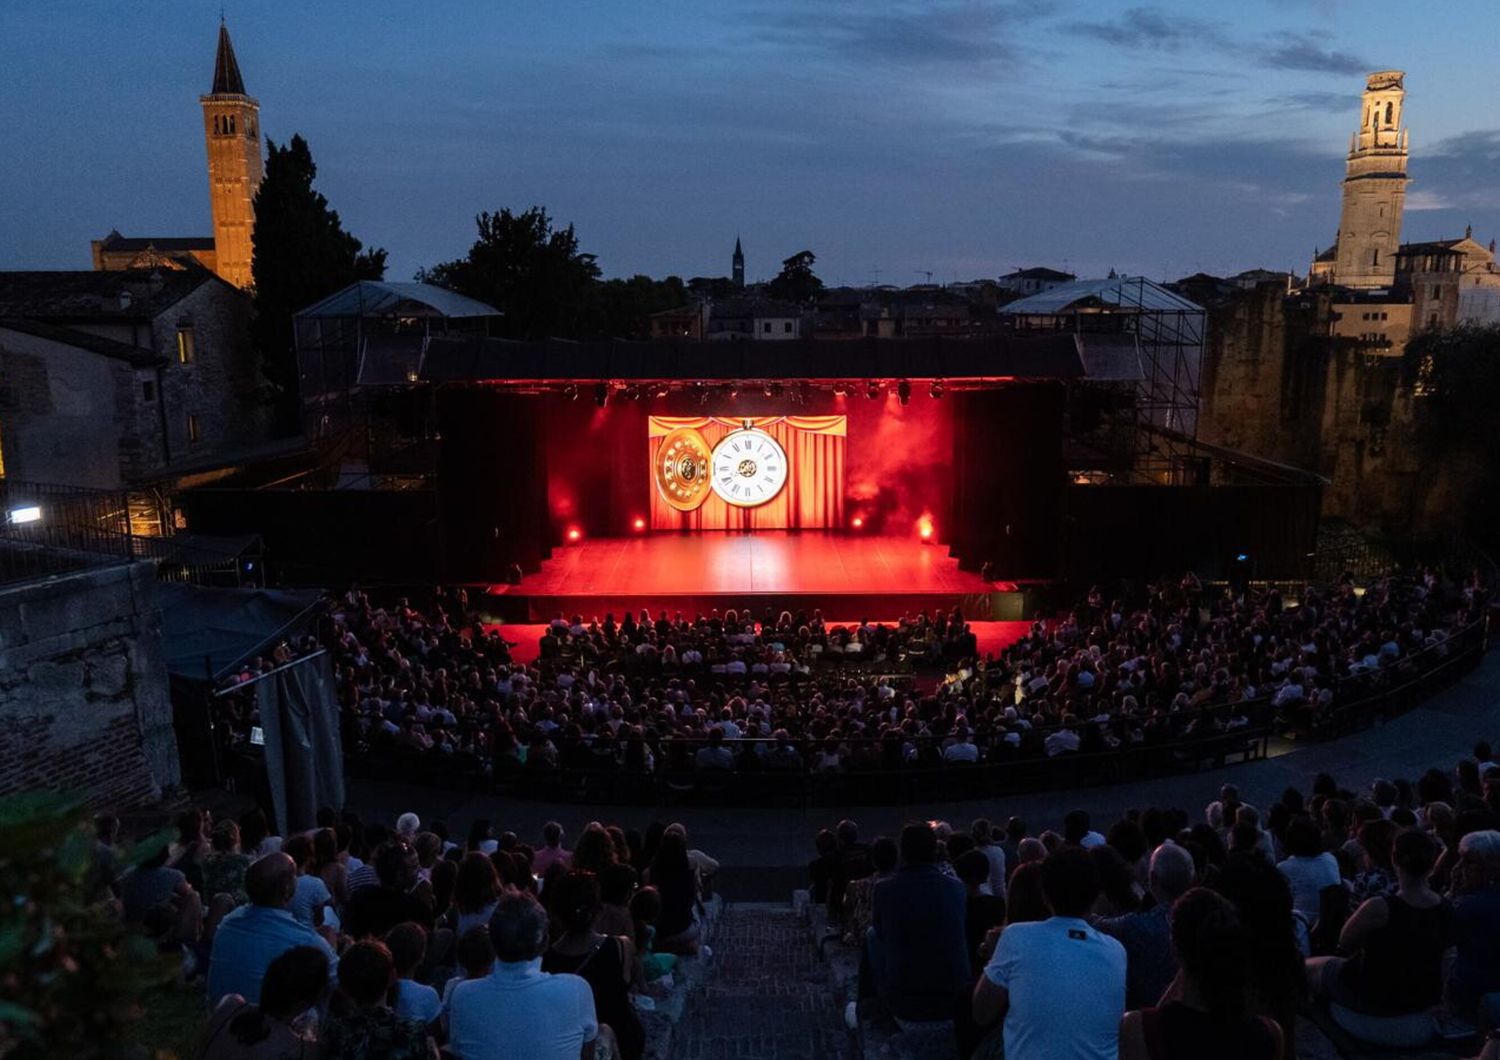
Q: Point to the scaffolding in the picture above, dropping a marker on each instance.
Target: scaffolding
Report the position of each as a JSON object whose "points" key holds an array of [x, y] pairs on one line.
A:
{"points": [[1142, 349]]}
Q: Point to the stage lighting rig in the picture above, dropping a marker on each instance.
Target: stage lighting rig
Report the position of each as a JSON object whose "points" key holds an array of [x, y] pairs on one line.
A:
{"points": [[570, 392], [872, 390], [601, 394], [903, 391], [936, 390]]}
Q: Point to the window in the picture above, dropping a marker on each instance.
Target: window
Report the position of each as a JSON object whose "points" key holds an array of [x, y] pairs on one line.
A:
{"points": [[148, 390], [787, 327], [1389, 110], [187, 350], [1375, 256], [194, 428], [1437, 292], [766, 328]]}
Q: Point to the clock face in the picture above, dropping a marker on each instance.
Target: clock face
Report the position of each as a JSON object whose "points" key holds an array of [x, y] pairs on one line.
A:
{"points": [[748, 468]]}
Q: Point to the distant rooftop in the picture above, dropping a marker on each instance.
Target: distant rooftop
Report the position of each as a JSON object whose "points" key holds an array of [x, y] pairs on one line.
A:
{"points": [[65, 295], [368, 298], [1126, 291]]}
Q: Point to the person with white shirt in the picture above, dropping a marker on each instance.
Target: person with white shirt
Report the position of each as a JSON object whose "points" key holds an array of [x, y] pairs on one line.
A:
{"points": [[518, 1011], [414, 1001], [1308, 868], [1020, 983]]}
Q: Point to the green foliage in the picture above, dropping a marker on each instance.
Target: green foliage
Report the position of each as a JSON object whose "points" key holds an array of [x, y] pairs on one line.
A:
{"points": [[1455, 377], [71, 975], [533, 273], [622, 308], [302, 254], [796, 282]]}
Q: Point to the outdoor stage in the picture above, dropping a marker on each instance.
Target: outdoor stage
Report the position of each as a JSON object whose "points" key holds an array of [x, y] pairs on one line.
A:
{"points": [[847, 576]]}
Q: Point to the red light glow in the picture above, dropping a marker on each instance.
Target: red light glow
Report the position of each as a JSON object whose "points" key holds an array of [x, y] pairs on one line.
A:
{"points": [[925, 528], [574, 534], [639, 524], [857, 522]]}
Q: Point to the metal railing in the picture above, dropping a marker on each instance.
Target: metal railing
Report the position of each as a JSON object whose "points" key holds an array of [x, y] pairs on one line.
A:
{"points": [[788, 772]]}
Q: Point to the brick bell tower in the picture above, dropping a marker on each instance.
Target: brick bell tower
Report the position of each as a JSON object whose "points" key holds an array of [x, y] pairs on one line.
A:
{"points": [[1374, 187], [231, 127]]}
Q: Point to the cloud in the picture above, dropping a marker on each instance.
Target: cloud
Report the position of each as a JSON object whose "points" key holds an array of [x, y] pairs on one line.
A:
{"points": [[1302, 51], [1151, 29]]}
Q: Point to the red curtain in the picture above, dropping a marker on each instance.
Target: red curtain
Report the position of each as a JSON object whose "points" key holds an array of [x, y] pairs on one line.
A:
{"points": [[813, 497]]}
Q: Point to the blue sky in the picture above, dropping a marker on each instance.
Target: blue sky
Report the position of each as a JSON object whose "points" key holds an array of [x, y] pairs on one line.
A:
{"points": [[965, 138]]}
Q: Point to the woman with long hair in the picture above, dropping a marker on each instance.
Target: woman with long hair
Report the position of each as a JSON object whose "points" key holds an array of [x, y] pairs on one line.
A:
{"points": [[606, 962], [475, 892], [1209, 1015], [671, 873], [1263, 900]]}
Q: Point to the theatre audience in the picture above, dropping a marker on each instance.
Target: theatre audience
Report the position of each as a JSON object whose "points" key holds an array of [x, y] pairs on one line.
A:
{"points": [[519, 1010], [280, 1026], [1147, 936], [252, 936], [917, 949], [364, 1025], [606, 962], [1020, 984]]}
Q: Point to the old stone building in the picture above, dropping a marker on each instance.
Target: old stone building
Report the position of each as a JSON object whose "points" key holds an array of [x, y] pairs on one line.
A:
{"points": [[231, 132], [109, 379]]}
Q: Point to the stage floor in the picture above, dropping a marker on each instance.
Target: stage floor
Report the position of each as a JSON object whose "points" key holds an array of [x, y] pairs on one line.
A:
{"points": [[845, 574]]}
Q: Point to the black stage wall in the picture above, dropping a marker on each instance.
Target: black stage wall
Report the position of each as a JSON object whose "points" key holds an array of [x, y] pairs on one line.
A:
{"points": [[1007, 480]]}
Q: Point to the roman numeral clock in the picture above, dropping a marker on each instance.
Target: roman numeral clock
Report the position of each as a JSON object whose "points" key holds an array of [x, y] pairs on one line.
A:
{"points": [[747, 468]]}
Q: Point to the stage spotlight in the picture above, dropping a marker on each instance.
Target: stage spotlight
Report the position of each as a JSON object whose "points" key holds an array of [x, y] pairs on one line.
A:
{"points": [[574, 534], [840, 390], [601, 394], [903, 391], [570, 392], [936, 390], [857, 522], [639, 524], [925, 528], [872, 390]]}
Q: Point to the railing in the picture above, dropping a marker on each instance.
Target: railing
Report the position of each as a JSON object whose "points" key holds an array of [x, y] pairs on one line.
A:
{"points": [[792, 777]]}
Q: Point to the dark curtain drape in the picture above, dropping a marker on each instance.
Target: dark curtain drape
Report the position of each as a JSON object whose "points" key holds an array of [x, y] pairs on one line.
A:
{"points": [[299, 715]]}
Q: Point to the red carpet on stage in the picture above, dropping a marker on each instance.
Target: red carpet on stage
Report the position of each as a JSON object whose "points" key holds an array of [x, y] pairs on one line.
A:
{"points": [[845, 574]]}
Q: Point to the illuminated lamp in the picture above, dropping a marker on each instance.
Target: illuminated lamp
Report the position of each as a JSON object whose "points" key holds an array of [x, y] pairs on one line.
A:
{"points": [[574, 533], [20, 516], [639, 524], [936, 390], [840, 390], [872, 390], [857, 522], [925, 528], [601, 394], [903, 391]]}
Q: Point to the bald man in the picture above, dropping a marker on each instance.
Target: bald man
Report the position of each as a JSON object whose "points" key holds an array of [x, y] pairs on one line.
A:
{"points": [[254, 935], [1150, 963]]}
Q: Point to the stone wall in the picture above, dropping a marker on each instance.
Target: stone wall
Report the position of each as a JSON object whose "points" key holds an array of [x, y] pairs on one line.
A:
{"points": [[1278, 385], [83, 688]]}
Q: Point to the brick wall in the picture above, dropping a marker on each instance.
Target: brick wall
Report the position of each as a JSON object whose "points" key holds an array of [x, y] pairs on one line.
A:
{"points": [[83, 688]]}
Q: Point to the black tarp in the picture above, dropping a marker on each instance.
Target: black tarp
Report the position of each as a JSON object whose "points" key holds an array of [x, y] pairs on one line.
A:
{"points": [[208, 632]]}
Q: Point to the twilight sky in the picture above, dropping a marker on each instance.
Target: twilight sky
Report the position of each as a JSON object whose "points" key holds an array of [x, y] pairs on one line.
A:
{"points": [[963, 137]]}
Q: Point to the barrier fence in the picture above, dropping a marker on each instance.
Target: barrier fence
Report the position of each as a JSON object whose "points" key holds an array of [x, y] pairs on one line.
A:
{"points": [[789, 773]]}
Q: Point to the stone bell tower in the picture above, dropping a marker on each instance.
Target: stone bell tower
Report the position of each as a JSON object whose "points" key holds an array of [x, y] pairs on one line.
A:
{"points": [[1374, 187], [231, 126]]}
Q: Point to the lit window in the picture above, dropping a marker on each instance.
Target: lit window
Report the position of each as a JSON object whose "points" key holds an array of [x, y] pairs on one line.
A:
{"points": [[194, 428], [187, 351]]}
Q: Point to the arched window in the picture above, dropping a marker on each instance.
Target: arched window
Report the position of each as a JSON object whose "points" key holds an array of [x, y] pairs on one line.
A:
{"points": [[1389, 110], [216, 125], [230, 120]]}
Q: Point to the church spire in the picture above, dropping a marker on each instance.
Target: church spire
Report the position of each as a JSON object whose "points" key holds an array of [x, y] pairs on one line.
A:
{"points": [[737, 263], [227, 80]]}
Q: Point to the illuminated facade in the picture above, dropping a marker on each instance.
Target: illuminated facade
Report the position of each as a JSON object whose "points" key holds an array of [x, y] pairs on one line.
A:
{"points": [[231, 127]]}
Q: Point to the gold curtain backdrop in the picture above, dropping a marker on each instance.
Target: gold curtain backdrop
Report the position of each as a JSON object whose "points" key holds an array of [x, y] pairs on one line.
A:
{"points": [[813, 497]]}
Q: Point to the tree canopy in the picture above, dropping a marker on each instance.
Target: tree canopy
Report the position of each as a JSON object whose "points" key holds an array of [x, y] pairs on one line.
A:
{"points": [[302, 254], [796, 282]]}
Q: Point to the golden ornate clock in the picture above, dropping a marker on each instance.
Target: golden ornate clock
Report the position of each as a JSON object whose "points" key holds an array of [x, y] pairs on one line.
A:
{"points": [[681, 469]]}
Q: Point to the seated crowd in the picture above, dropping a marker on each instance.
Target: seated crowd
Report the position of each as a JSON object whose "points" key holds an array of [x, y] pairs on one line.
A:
{"points": [[356, 941], [1169, 938], [675, 694]]}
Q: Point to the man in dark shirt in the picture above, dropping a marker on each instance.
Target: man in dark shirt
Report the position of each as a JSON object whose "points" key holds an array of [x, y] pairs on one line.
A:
{"points": [[851, 861], [916, 945], [375, 909]]}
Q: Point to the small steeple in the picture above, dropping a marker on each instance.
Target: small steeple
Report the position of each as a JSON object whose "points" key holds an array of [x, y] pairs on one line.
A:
{"points": [[227, 80], [737, 264]]}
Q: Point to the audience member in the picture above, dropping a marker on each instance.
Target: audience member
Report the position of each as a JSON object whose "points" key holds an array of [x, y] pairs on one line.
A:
{"points": [[1150, 959], [916, 945], [367, 1027], [254, 935]]}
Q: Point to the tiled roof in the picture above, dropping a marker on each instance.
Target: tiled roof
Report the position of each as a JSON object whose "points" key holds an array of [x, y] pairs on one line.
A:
{"points": [[59, 296], [165, 244], [83, 340]]}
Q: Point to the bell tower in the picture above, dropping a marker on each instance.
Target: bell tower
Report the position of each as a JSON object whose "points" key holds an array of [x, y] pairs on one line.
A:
{"points": [[1374, 187], [737, 264], [231, 127]]}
